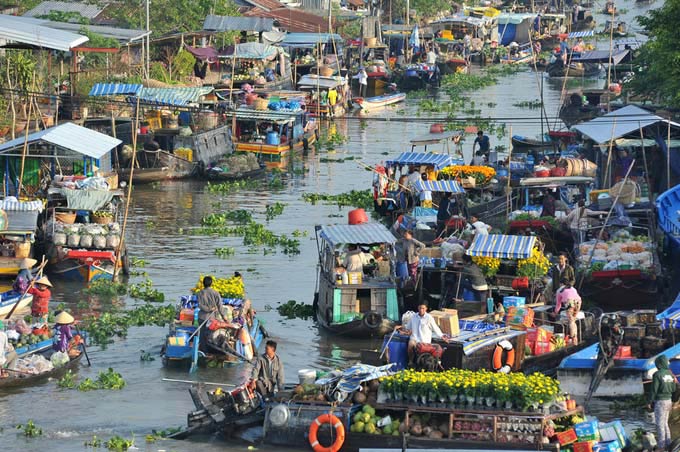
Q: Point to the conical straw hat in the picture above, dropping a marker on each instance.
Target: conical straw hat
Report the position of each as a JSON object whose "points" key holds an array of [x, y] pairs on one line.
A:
{"points": [[64, 318], [27, 263], [44, 281]]}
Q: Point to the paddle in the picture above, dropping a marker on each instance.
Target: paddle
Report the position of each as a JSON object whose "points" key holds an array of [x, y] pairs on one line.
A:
{"points": [[9, 314], [84, 347], [387, 344], [172, 380]]}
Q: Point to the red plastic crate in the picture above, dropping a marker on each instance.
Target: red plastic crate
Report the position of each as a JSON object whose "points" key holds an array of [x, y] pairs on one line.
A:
{"points": [[623, 352], [566, 437], [585, 446]]}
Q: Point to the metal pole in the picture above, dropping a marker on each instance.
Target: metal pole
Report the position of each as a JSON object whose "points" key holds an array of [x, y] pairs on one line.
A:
{"points": [[668, 156], [148, 42]]}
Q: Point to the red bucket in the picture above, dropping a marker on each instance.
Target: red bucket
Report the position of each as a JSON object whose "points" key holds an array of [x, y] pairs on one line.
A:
{"points": [[520, 283], [357, 216]]}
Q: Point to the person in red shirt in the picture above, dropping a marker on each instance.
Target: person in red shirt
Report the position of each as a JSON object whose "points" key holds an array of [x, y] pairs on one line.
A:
{"points": [[41, 300]]}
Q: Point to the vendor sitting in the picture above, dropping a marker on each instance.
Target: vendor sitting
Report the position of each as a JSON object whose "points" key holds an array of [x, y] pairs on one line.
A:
{"points": [[63, 333], [267, 376], [473, 278], [421, 328], [353, 261], [24, 277]]}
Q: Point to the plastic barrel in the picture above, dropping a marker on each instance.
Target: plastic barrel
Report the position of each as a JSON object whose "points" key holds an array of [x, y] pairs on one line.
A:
{"points": [[273, 138], [469, 295], [357, 216], [398, 352]]}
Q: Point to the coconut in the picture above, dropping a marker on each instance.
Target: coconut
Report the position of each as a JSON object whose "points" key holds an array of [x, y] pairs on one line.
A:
{"points": [[359, 397], [416, 430], [435, 434], [373, 385], [299, 390], [402, 428]]}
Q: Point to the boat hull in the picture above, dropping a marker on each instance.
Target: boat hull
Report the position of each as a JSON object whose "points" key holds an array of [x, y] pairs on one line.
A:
{"points": [[223, 176], [272, 154], [617, 293], [9, 299], [149, 175], [356, 328], [371, 103], [615, 384], [20, 380], [73, 270]]}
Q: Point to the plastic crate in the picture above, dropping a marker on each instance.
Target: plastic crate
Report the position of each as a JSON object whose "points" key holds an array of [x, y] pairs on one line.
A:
{"points": [[567, 437]]}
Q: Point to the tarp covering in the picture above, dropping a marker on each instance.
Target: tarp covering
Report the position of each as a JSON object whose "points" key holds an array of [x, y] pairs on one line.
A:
{"points": [[69, 136], [514, 18], [447, 186], [581, 34], [86, 199], [115, 89], [439, 161], [601, 56], [178, 97], [246, 113], [670, 318], [619, 123], [251, 51], [309, 39], [237, 23], [312, 81], [13, 204], [203, 53], [502, 246], [357, 234]]}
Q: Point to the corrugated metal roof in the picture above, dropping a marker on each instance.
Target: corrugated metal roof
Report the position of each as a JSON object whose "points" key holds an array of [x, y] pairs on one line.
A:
{"points": [[69, 136], [439, 161], [124, 35], [228, 23], [446, 186], [359, 234], [619, 123], [114, 89], [267, 5], [178, 97], [266, 115], [292, 19], [85, 9], [581, 34], [297, 39], [32, 32], [502, 246], [312, 81]]}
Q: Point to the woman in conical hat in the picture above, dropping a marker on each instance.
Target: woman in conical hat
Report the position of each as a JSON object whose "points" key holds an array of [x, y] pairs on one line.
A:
{"points": [[62, 331], [41, 300], [24, 276]]}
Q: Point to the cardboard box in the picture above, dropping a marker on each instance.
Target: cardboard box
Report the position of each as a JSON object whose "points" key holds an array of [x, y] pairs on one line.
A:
{"points": [[509, 302], [609, 446], [538, 335], [448, 323], [587, 431], [567, 437], [186, 315], [383, 268], [653, 329], [434, 253], [520, 317], [584, 446], [614, 431], [355, 277], [541, 348], [645, 315], [634, 332], [628, 318], [450, 311]]}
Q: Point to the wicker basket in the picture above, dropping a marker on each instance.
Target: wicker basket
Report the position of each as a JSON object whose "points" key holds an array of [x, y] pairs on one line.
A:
{"points": [[371, 42], [22, 249], [326, 71], [627, 192], [261, 104], [65, 217], [100, 219]]}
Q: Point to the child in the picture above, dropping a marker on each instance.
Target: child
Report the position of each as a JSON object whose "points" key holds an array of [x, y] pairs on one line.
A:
{"points": [[41, 300], [498, 311]]}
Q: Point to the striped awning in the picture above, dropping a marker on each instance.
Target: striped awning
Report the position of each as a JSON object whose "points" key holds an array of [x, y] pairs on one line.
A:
{"points": [[178, 97], [439, 161], [12, 204], [447, 186], [115, 89], [357, 234], [581, 34], [502, 246]]}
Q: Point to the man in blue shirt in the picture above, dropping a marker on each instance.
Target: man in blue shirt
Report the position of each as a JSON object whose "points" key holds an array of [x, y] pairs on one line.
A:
{"points": [[484, 144]]}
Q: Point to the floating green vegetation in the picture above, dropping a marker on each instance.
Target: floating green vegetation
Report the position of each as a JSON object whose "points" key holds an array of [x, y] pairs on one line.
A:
{"points": [[355, 198], [331, 140], [292, 309], [229, 187], [340, 160], [536, 103], [274, 210], [30, 430], [145, 291], [156, 435], [104, 328], [109, 379], [105, 288], [119, 444], [225, 252]]}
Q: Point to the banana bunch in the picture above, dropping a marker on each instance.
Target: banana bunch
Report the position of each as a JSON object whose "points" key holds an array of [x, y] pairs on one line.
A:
{"points": [[227, 287], [558, 342]]}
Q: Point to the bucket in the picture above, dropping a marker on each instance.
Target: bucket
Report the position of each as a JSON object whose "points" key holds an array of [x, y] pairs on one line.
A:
{"points": [[307, 376], [357, 216], [371, 42], [273, 138], [469, 295], [411, 73]]}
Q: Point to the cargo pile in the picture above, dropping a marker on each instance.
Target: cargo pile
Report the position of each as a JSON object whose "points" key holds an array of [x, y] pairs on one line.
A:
{"points": [[590, 435], [623, 252], [227, 287], [78, 235], [446, 320]]}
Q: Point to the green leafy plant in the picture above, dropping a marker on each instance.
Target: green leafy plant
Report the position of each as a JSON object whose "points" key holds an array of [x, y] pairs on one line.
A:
{"points": [[225, 251], [292, 309], [274, 210], [354, 198], [68, 381], [118, 443], [30, 429], [145, 291]]}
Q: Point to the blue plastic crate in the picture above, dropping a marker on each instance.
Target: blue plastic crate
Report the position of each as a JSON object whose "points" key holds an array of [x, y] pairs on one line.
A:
{"points": [[609, 446], [511, 301], [587, 431]]}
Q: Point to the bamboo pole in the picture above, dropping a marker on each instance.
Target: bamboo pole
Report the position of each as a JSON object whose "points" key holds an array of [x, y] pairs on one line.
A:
{"points": [[508, 190], [611, 49], [668, 156], [25, 147], [607, 171], [14, 110], [644, 160], [129, 191]]}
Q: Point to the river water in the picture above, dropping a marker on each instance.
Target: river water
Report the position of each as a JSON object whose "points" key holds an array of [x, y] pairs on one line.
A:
{"points": [[175, 260]]}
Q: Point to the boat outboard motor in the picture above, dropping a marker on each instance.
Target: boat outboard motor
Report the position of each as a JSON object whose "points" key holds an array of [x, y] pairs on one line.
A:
{"points": [[428, 357]]}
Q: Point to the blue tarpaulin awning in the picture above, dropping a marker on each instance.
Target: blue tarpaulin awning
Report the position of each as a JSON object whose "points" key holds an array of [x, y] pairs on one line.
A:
{"points": [[447, 186], [309, 39], [581, 34], [178, 97], [357, 234], [439, 161], [502, 246], [115, 89]]}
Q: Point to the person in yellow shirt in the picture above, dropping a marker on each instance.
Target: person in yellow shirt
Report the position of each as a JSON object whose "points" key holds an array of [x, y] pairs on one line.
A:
{"points": [[332, 100]]}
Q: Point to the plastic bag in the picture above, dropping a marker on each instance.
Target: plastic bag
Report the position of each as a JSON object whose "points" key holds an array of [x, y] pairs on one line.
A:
{"points": [[112, 241], [99, 241], [59, 239], [73, 240], [22, 328], [59, 359], [86, 241]]}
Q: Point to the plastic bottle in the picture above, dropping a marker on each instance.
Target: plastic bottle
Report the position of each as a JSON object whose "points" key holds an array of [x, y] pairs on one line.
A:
{"points": [[196, 317], [345, 278]]}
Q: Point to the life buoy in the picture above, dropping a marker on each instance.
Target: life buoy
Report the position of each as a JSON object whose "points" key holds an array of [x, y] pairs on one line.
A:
{"points": [[497, 360], [331, 419], [244, 338], [372, 320]]}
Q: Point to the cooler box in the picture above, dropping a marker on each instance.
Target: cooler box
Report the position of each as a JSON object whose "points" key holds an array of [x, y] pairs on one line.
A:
{"points": [[614, 431], [609, 446], [509, 302]]}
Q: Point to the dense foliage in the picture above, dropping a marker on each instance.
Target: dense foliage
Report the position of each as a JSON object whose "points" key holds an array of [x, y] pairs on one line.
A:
{"points": [[658, 64]]}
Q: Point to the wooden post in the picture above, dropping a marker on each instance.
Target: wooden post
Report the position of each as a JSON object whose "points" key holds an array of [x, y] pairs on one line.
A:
{"points": [[611, 49], [668, 156], [25, 148], [508, 189]]}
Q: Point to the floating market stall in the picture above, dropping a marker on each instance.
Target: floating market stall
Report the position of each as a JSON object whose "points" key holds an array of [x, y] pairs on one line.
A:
{"points": [[233, 335], [356, 304], [515, 27], [313, 53], [261, 65], [317, 87], [17, 235], [485, 197], [273, 133]]}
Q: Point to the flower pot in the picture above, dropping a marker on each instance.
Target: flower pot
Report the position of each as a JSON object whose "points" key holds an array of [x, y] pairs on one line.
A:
{"points": [[508, 405]]}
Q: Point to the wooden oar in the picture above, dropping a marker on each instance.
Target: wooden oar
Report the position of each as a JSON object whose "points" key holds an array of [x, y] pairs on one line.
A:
{"points": [[172, 380], [84, 346], [387, 344], [30, 286]]}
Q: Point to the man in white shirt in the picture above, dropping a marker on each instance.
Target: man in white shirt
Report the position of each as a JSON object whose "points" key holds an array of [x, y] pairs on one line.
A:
{"points": [[421, 328], [431, 58], [354, 261], [479, 227]]}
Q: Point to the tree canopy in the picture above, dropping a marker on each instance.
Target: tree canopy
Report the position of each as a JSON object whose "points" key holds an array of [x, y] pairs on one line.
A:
{"points": [[168, 16], [658, 64]]}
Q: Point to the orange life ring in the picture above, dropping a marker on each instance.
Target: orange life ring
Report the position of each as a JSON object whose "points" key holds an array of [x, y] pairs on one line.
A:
{"points": [[497, 360], [331, 419]]}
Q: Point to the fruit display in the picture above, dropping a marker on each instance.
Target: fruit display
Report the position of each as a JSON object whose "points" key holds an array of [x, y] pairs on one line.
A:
{"points": [[227, 287], [367, 421], [622, 252], [25, 340]]}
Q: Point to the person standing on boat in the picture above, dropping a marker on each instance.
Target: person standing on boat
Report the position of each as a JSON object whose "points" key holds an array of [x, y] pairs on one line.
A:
{"points": [[267, 375], [478, 226], [353, 261], [664, 384], [421, 328], [483, 142], [24, 276], [548, 205], [578, 221], [425, 195], [362, 76], [411, 249], [431, 57], [41, 300], [562, 271], [210, 305], [473, 278], [447, 208]]}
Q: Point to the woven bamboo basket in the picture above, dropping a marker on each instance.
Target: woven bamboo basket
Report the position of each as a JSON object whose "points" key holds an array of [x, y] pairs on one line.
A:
{"points": [[261, 104], [579, 167], [22, 249], [626, 191], [100, 219], [325, 71], [65, 217]]}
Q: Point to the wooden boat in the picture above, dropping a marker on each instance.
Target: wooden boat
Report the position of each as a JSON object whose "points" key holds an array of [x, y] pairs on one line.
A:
{"points": [[558, 69], [9, 299], [294, 134], [368, 104], [15, 379], [620, 29], [418, 76], [366, 304], [521, 141], [312, 85], [643, 341], [230, 176], [158, 166], [452, 65]]}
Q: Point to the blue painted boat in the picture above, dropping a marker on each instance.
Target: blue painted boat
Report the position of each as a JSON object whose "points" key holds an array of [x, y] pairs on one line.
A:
{"points": [[627, 377], [9, 299], [182, 342], [668, 212], [369, 103]]}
